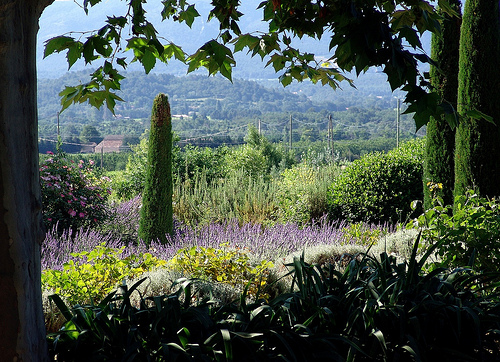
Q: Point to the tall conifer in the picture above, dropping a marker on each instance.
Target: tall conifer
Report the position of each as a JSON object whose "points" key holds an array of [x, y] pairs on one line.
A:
{"points": [[156, 218], [477, 154], [440, 143]]}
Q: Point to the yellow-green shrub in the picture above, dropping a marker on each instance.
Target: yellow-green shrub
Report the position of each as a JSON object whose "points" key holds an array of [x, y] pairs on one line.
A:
{"points": [[94, 274], [362, 234], [224, 265]]}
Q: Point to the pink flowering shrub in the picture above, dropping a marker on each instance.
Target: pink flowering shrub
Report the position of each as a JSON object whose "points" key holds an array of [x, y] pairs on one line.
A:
{"points": [[73, 195]]}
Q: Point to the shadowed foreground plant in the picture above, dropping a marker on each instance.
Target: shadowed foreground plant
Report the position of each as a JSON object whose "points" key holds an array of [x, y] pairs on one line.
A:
{"points": [[373, 311], [160, 328]]}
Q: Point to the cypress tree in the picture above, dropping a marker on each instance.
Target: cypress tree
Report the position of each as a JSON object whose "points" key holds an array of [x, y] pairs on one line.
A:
{"points": [[156, 218], [440, 140], [477, 154]]}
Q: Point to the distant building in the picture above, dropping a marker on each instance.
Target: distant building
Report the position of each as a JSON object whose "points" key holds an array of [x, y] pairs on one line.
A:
{"points": [[88, 148], [112, 143]]}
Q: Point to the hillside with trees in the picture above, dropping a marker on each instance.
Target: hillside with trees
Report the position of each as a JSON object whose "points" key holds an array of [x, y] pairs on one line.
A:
{"points": [[211, 110]]}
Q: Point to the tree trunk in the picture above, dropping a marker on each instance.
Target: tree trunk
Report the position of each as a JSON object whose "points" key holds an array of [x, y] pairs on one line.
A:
{"points": [[439, 161], [477, 152], [22, 330]]}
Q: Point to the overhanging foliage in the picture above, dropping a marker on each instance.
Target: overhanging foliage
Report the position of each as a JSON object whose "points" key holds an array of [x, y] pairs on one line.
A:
{"points": [[363, 34]]}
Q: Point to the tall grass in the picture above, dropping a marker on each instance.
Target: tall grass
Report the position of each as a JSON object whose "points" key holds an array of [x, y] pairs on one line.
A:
{"points": [[240, 197], [298, 197]]}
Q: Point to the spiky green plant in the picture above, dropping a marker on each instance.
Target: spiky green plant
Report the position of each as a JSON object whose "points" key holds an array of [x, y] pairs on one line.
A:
{"points": [[376, 309], [156, 213]]}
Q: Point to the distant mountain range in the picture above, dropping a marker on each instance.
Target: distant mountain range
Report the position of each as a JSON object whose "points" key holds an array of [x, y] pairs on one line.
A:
{"points": [[366, 111], [67, 16]]}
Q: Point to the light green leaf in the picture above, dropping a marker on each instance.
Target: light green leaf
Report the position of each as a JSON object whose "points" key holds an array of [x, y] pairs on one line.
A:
{"points": [[172, 50]]}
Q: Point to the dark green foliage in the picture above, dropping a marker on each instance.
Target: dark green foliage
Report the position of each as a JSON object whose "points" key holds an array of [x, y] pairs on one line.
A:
{"points": [[477, 161], [162, 328], [373, 311], [440, 144], [191, 161], [90, 134], [379, 187], [156, 213]]}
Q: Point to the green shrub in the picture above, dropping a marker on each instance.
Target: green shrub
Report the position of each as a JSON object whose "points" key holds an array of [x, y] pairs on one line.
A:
{"points": [[91, 275], [249, 160], [275, 155], [468, 232], [236, 196], [194, 160], [362, 234], [131, 182], [379, 187], [258, 157], [302, 192], [224, 265], [73, 194]]}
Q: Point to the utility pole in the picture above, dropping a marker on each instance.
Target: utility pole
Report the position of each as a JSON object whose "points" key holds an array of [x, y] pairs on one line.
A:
{"points": [[398, 118], [259, 126], [330, 136], [291, 134]]}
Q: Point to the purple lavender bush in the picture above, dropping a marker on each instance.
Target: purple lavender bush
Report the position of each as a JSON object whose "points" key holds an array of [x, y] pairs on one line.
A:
{"points": [[123, 220], [264, 243], [58, 246]]}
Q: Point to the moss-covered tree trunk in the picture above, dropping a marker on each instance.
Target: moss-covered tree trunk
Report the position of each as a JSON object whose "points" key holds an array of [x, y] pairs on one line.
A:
{"points": [[22, 329], [156, 213], [440, 144], [477, 155]]}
